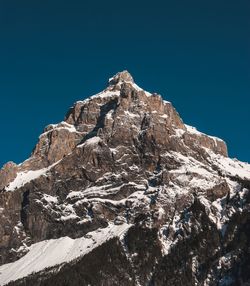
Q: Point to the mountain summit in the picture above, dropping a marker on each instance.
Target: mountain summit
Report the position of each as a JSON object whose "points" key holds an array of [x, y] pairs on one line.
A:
{"points": [[122, 192], [123, 76]]}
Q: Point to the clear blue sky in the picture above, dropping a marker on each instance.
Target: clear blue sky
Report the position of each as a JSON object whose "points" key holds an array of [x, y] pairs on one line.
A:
{"points": [[194, 53]]}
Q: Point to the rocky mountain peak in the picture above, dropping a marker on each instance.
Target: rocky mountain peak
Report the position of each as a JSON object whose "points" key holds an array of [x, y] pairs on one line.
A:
{"points": [[121, 77], [123, 191]]}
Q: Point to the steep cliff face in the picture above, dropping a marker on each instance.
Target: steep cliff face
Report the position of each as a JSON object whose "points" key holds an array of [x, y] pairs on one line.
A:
{"points": [[122, 192]]}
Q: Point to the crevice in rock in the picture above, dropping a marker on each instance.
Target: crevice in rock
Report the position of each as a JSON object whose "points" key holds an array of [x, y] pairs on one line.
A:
{"points": [[100, 123], [145, 121], [124, 244], [24, 206]]}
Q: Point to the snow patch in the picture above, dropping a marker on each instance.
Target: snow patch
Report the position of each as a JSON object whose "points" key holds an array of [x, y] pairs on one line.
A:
{"points": [[25, 177], [164, 116], [50, 199], [193, 130], [179, 132], [230, 167], [60, 126], [50, 253], [130, 114], [92, 141], [105, 94]]}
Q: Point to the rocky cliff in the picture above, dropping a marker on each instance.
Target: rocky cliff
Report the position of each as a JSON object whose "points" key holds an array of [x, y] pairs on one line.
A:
{"points": [[122, 192]]}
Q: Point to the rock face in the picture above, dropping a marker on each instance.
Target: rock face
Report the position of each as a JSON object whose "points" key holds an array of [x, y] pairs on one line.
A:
{"points": [[122, 192], [7, 174]]}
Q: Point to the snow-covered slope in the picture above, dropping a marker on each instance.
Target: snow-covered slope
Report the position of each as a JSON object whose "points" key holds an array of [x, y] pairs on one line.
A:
{"points": [[53, 252]]}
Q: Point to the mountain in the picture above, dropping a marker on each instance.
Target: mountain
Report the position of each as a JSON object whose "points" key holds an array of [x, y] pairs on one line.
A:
{"points": [[122, 192]]}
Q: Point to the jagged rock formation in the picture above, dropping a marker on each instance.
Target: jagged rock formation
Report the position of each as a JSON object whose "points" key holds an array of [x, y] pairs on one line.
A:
{"points": [[122, 192]]}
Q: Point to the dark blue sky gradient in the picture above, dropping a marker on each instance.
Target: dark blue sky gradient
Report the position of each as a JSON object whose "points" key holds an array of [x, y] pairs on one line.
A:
{"points": [[195, 53]]}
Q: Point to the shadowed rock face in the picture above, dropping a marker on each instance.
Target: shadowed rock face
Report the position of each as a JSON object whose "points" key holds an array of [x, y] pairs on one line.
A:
{"points": [[125, 157]]}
